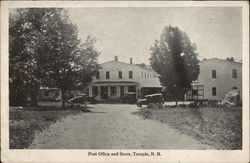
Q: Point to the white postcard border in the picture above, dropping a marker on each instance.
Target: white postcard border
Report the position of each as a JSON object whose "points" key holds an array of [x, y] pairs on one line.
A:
{"points": [[81, 155]]}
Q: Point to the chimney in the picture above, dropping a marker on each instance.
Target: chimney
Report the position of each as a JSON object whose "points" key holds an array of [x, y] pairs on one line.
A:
{"points": [[116, 58], [131, 61]]}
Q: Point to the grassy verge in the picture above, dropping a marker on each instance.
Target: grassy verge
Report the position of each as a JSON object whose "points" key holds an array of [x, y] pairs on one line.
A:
{"points": [[24, 123], [219, 127]]}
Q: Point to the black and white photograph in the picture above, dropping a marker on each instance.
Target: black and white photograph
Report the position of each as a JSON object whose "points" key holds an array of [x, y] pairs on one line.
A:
{"points": [[126, 79]]}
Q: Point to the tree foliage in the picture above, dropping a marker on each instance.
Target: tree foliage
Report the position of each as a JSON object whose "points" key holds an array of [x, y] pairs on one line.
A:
{"points": [[143, 65], [45, 51], [230, 59], [174, 58]]}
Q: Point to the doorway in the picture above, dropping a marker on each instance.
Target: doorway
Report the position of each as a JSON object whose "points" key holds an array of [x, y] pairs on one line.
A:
{"points": [[104, 92], [121, 91]]}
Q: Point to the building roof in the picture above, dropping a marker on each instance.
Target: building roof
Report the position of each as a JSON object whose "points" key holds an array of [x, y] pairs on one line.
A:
{"points": [[211, 59], [146, 68]]}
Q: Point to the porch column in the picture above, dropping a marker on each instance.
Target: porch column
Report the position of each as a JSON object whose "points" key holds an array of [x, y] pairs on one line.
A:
{"points": [[109, 92], [118, 91], [137, 91], [98, 97], [125, 89], [90, 91]]}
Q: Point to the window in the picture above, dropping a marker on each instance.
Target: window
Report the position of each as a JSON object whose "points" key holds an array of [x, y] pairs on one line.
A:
{"points": [[214, 91], [113, 91], [130, 74], [148, 75], [213, 73], [107, 75], [234, 73], [142, 74], [145, 74], [94, 91], [120, 75], [235, 88], [195, 92], [98, 75]]}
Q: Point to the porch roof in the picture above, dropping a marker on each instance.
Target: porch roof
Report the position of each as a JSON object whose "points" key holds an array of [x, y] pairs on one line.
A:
{"points": [[112, 83]]}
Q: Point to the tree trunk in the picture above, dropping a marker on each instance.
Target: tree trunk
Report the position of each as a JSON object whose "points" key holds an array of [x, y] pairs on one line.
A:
{"points": [[34, 96], [63, 98], [176, 99], [34, 99], [176, 102]]}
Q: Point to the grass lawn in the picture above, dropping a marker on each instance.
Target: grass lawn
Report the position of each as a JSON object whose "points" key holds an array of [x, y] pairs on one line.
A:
{"points": [[24, 123], [218, 127]]}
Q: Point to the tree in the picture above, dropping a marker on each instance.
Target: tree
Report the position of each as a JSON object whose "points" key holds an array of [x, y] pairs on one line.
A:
{"points": [[23, 69], [45, 51], [142, 65], [174, 58], [230, 59]]}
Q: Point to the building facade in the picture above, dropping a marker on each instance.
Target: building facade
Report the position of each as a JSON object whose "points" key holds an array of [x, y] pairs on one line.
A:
{"points": [[115, 79], [217, 77]]}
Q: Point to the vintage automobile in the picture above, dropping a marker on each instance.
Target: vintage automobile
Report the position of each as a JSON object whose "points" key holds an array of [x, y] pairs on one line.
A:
{"points": [[151, 100], [81, 101], [91, 100], [232, 98]]}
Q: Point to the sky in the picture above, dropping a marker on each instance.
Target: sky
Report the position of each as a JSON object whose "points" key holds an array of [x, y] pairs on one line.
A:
{"points": [[130, 32]]}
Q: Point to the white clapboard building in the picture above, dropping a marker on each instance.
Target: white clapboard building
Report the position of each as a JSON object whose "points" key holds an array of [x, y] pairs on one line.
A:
{"points": [[115, 79], [217, 77]]}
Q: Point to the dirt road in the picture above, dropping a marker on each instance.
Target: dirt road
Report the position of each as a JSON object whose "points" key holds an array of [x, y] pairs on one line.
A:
{"points": [[112, 126]]}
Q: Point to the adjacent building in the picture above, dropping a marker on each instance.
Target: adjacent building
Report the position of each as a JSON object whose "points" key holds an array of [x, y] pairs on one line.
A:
{"points": [[217, 77], [115, 79]]}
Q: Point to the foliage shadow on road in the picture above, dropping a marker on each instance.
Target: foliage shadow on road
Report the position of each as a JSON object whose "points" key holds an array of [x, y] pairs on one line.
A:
{"points": [[51, 108], [96, 111]]}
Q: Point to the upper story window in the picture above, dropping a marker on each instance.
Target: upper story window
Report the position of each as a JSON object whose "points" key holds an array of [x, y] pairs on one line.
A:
{"points": [[130, 74], [98, 75], [213, 73], [145, 74], [107, 74], [142, 74], [214, 92], [234, 73], [120, 74]]}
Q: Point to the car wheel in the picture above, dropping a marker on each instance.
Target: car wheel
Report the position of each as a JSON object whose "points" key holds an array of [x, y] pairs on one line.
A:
{"points": [[139, 105]]}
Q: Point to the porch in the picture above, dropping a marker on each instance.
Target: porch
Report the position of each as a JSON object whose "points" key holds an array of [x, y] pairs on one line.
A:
{"points": [[111, 90]]}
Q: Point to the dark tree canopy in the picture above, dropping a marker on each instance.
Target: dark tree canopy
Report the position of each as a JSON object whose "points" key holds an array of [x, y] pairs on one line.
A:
{"points": [[143, 65], [174, 58], [230, 59], [45, 51]]}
